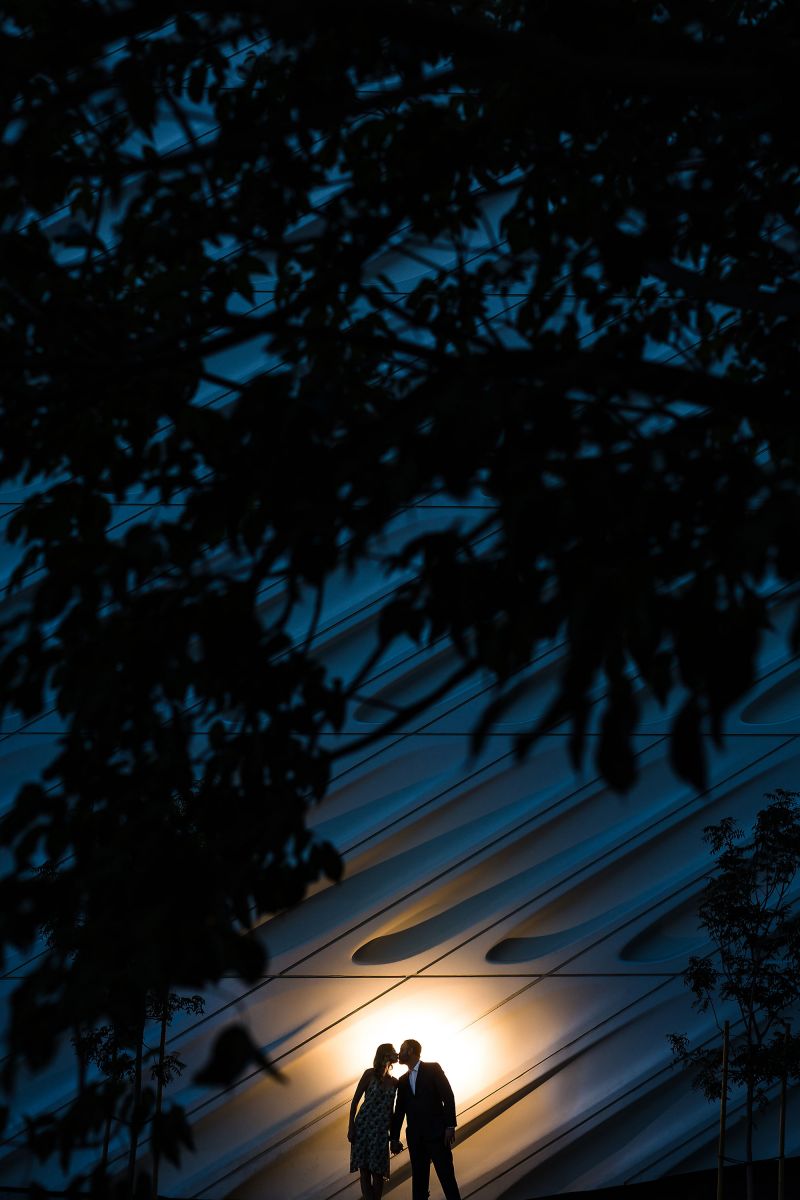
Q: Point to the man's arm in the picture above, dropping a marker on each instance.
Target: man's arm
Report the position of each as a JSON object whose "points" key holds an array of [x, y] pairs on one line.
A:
{"points": [[445, 1093]]}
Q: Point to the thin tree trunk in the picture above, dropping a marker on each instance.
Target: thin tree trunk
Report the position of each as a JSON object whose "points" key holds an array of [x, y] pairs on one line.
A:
{"points": [[751, 1194], [110, 1106], [159, 1093], [723, 1112], [136, 1110], [781, 1127]]}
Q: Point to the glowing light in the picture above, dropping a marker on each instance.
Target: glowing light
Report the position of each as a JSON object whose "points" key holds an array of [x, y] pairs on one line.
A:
{"points": [[443, 1025]]}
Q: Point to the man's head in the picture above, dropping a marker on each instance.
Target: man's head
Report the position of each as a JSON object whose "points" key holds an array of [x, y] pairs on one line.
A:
{"points": [[409, 1052]]}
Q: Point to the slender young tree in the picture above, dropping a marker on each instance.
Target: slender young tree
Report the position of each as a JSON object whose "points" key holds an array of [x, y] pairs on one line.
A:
{"points": [[123, 1058], [105, 1049], [162, 1009], [752, 919]]}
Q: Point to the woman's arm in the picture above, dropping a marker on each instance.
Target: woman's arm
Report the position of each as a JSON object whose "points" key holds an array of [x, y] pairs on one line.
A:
{"points": [[396, 1120], [361, 1087]]}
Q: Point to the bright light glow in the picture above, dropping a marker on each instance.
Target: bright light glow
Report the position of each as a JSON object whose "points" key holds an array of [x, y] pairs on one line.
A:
{"points": [[441, 1022]]}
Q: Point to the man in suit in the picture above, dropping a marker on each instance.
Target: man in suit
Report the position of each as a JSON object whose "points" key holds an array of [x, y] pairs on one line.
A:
{"points": [[425, 1101]]}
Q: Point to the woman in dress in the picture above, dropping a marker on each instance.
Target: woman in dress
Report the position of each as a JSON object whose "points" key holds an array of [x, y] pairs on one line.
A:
{"points": [[368, 1131]]}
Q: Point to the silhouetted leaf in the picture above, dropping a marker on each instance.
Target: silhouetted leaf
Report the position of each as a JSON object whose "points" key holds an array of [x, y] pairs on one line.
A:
{"points": [[687, 753], [233, 1052]]}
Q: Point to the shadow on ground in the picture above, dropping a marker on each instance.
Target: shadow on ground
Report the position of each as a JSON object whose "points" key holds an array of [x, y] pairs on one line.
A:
{"points": [[702, 1185]]}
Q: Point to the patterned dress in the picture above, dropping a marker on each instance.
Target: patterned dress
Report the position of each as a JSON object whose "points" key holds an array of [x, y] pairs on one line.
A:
{"points": [[369, 1149]]}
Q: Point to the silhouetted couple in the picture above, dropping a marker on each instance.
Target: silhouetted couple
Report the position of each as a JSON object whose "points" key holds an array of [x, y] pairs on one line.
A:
{"points": [[423, 1099]]}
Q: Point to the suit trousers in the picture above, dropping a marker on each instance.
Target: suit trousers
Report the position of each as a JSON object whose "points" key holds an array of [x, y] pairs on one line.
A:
{"points": [[424, 1151]]}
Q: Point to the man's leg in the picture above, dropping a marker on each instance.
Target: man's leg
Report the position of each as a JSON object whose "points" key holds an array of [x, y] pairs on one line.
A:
{"points": [[420, 1169], [442, 1157]]}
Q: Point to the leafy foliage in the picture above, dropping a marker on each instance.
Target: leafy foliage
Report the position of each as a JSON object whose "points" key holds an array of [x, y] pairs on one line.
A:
{"points": [[597, 204], [750, 914]]}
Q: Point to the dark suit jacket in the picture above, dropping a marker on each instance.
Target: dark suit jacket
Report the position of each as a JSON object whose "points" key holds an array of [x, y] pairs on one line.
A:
{"points": [[430, 1110]]}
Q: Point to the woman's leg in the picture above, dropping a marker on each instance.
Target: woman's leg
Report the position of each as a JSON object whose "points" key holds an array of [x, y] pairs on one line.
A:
{"points": [[377, 1187], [366, 1184]]}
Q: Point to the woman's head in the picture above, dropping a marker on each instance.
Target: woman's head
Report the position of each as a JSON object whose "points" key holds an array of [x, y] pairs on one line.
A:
{"points": [[385, 1055]]}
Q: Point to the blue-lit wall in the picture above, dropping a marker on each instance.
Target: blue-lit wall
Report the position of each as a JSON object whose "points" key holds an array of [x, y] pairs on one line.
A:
{"points": [[525, 923]]}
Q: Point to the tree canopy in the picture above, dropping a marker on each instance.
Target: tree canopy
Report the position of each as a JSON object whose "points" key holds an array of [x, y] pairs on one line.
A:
{"points": [[215, 383]]}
